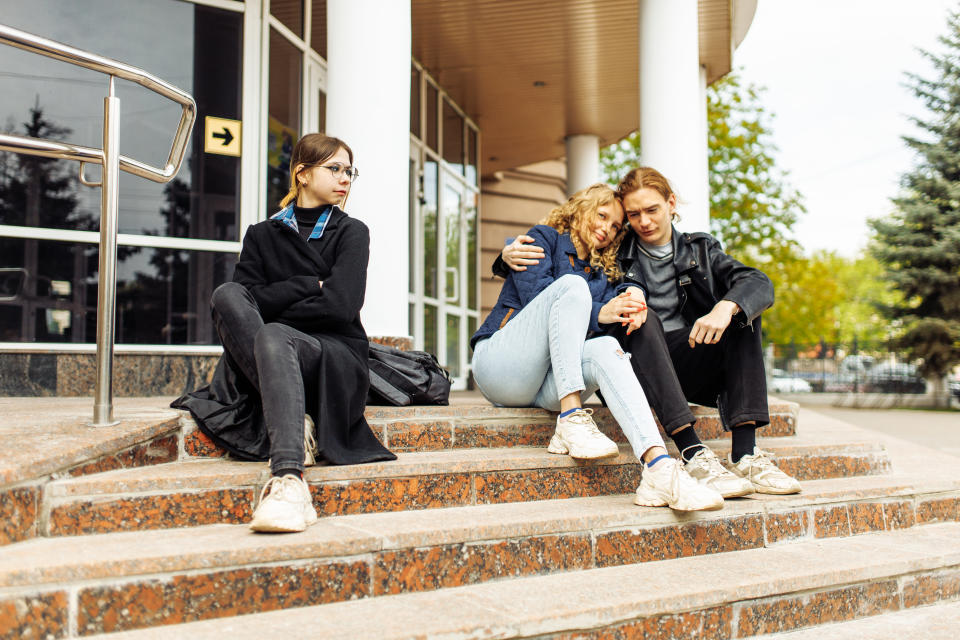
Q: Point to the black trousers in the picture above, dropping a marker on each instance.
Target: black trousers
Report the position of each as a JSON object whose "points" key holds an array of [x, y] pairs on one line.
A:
{"points": [[278, 360], [728, 375]]}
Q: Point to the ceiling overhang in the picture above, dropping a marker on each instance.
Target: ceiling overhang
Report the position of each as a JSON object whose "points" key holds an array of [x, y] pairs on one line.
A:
{"points": [[531, 72]]}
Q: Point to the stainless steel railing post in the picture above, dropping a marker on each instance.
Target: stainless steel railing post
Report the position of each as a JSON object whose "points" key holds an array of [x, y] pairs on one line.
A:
{"points": [[107, 282]]}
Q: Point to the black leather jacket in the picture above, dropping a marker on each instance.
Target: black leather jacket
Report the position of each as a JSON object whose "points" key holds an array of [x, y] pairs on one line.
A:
{"points": [[705, 275]]}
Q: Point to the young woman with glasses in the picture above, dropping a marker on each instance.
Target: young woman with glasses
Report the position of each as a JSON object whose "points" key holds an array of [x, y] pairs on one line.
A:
{"points": [[292, 382]]}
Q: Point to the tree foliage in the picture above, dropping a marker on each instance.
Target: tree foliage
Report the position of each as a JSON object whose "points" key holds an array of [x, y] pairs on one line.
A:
{"points": [[752, 206], [919, 244]]}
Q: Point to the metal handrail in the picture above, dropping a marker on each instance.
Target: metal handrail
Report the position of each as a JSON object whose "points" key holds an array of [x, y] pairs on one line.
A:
{"points": [[80, 58], [108, 156]]}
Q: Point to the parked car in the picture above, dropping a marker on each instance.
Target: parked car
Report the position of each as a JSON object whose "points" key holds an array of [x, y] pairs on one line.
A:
{"points": [[788, 384], [896, 377]]}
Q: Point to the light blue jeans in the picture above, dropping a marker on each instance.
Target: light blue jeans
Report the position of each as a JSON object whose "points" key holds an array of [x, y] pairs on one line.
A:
{"points": [[541, 355]]}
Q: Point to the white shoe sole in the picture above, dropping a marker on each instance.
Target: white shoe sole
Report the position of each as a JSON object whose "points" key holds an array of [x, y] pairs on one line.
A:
{"points": [[289, 525], [774, 491], [557, 445], [647, 499]]}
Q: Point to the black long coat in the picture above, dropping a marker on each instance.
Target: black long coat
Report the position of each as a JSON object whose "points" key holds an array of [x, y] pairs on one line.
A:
{"points": [[282, 272]]}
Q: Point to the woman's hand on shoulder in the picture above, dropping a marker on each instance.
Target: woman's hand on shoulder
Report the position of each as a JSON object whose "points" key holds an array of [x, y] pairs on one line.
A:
{"points": [[624, 309], [520, 253]]}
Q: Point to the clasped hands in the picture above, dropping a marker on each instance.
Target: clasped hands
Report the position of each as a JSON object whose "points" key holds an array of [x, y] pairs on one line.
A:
{"points": [[630, 307]]}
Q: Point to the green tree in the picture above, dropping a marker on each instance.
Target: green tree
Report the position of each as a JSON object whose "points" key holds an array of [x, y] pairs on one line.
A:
{"points": [[752, 207], [919, 244]]}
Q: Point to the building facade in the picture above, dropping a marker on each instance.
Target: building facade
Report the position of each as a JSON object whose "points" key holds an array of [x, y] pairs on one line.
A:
{"points": [[469, 119]]}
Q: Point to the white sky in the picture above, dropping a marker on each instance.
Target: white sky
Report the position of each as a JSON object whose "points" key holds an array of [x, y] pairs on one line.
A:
{"points": [[834, 70]]}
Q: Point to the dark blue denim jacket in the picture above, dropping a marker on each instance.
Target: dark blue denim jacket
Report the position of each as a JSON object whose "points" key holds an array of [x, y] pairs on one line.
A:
{"points": [[523, 286]]}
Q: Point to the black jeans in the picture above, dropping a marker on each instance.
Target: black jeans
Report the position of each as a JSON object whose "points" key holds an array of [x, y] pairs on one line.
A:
{"points": [[278, 360], [728, 375]]}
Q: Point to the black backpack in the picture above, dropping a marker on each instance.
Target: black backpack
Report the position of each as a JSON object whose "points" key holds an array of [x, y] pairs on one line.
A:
{"points": [[403, 378]]}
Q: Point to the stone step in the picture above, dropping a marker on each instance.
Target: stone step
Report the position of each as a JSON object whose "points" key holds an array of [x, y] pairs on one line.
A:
{"points": [[933, 622], [143, 578], [213, 491], [462, 426], [738, 594]]}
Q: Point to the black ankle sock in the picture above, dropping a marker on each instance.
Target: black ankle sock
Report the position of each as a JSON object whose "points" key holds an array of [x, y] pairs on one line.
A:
{"points": [[288, 472], [744, 440], [687, 441]]}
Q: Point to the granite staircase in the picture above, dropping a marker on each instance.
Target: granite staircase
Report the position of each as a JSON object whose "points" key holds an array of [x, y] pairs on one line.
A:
{"points": [[474, 532]]}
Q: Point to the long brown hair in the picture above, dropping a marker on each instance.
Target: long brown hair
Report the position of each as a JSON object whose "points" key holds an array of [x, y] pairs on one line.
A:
{"points": [[581, 210], [311, 150], [646, 178]]}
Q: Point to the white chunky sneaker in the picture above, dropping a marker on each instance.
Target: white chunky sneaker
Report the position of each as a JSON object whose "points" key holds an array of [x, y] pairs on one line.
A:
{"points": [[309, 442], [759, 469], [285, 506], [669, 484], [705, 468], [577, 434]]}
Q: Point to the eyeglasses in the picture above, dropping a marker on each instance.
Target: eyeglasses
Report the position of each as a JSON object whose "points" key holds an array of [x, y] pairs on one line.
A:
{"points": [[338, 169]]}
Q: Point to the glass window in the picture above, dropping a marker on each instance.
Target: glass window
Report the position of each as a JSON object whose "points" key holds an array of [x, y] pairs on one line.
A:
{"points": [[452, 137], [415, 101], [473, 156], [430, 329], [412, 226], [290, 13], [163, 295], [318, 28], [429, 214], [194, 47], [470, 213], [283, 124], [453, 345], [451, 224], [432, 126]]}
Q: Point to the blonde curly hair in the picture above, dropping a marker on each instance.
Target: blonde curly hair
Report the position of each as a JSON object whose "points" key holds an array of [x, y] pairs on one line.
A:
{"points": [[581, 210]]}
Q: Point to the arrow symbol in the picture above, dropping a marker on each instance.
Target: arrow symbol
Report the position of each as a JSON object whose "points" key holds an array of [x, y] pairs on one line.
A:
{"points": [[226, 136]]}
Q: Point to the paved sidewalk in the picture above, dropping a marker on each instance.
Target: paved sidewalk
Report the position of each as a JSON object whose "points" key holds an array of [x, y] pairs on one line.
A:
{"points": [[935, 429]]}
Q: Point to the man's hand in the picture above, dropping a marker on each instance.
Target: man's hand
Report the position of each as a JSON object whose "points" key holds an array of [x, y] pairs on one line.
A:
{"points": [[520, 253], [638, 318], [709, 328], [621, 309]]}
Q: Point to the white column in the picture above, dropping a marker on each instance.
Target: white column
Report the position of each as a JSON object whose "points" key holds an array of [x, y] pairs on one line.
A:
{"points": [[583, 162], [368, 106], [672, 104]]}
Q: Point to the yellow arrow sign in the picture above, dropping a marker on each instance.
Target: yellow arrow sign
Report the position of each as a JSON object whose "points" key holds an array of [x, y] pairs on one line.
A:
{"points": [[222, 136]]}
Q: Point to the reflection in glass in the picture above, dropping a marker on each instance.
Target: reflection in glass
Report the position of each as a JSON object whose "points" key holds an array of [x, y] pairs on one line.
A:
{"points": [[473, 156], [429, 213], [283, 123], [471, 329], [433, 135], [453, 346], [451, 225], [412, 226], [290, 13], [415, 101], [163, 295], [430, 329], [470, 220], [318, 28], [197, 48], [452, 137]]}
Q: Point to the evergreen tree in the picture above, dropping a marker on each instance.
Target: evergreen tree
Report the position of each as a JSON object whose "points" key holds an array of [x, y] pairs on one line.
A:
{"points": [[919, 244]]}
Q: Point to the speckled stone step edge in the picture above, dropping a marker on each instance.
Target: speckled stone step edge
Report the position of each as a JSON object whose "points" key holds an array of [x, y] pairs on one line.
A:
{"points": [[474, 426], [935, 621], [77, 449], [602, 530], [478, 477], [738, 594], [154, 443]]}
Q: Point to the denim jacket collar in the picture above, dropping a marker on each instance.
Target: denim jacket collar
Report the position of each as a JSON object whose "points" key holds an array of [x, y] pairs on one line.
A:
{"points": [[287, 217]]}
